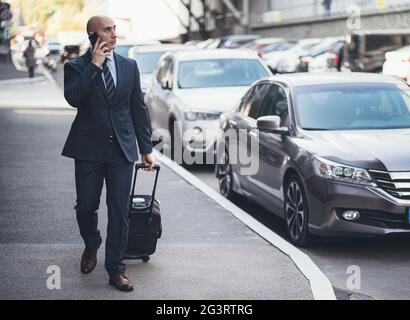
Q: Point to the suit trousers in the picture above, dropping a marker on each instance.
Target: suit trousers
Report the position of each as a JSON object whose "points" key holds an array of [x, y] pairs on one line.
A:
{"points": [[117, 171]]}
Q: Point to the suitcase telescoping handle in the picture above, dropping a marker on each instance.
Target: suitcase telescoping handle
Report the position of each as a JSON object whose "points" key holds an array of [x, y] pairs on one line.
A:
{"points": [[144, 166]]}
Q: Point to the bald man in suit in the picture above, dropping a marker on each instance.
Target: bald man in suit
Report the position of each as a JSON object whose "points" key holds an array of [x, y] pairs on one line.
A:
{"points": [[105, 88]]}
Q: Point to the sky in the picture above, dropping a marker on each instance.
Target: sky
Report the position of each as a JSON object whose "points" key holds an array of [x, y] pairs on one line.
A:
{"points": [[149, 19]]}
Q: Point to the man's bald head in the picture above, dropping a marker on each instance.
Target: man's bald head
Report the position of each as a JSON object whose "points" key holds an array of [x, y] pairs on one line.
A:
{"points": [[105, 28], [96, 22]]}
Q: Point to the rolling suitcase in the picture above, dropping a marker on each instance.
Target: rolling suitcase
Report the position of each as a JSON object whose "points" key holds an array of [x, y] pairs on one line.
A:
{"points": [[144, 221]]}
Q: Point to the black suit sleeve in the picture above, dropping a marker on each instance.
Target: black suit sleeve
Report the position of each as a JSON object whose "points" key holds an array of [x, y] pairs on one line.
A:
{"points": [[78, 85], [140, 116]]}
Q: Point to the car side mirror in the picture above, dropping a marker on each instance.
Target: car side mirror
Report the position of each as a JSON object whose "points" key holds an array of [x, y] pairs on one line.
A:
{"points": [[271, 124]]}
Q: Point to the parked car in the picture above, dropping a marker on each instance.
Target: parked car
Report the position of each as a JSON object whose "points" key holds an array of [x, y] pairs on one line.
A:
{"points": [[123, 46], [320, 57], [228, 42], [193, 88], [365, 50], [147, 58], [333, 153], [258, 44], [53, 46], [53, 54], [70, 52], [273, 59], [397, 63]]}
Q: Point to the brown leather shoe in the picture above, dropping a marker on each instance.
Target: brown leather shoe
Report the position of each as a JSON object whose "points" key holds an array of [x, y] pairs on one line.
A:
{"points": [[121, 282], [89, 259]]}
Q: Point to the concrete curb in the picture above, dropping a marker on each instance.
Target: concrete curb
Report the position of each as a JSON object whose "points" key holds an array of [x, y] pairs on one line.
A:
{"points": [[319, 283]]}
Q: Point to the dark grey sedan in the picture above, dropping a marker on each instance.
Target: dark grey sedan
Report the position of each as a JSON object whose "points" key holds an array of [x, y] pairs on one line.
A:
{"points": [[329, 153]]}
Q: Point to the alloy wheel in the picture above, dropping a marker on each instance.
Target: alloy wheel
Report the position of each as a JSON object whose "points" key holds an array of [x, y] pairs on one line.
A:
{"points": [[225, 177], [295, 210]]}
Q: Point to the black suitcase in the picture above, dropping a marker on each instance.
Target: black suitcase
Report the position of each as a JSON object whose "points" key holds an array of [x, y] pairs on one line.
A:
{"points": [[144, 221]]}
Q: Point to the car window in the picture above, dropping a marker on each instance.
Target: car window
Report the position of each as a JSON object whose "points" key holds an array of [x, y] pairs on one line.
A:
{"points": [[147, 61], [123, 49], [275, 103], [383, 42], [219, 73], [253, 107], [244, 101], [353, 107], [168, 72], [162, 67]]}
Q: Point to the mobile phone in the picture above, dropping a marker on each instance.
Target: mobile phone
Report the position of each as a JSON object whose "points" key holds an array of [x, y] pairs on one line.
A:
{"points": [[93, 38]]}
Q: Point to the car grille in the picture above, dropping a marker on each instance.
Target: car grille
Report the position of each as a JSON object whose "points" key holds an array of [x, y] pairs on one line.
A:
{"points": [[396, 184]]}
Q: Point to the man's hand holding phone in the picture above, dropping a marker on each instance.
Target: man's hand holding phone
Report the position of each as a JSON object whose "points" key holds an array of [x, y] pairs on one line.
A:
{"points": [[99, 53]]}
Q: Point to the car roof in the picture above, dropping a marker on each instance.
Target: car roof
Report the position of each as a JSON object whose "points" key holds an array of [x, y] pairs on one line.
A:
{"points": [[268, 40], [163, 47], [382, 32], [203, 54], [241, 37], [308, 79]]}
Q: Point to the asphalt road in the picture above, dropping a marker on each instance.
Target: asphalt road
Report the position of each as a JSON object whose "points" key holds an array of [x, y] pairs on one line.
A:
{"points": [[378, 268]]}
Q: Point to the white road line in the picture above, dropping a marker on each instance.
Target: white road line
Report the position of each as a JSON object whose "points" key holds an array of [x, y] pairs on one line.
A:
{"points": [[319, 283]]}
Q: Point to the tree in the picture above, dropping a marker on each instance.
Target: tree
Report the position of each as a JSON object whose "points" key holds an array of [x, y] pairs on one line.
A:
{"points": [[39, 12]]}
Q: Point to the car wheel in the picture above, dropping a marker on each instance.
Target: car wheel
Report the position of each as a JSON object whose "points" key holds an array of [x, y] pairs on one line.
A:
{"points": [[225, 178], [296, 212]]}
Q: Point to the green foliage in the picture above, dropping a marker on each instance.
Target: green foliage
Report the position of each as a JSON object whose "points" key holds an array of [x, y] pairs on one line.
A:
{"points": [[39, 12]]}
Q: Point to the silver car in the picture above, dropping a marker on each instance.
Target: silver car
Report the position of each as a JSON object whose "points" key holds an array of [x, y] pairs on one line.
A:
{"points": [[147, 58], [189, 91]]}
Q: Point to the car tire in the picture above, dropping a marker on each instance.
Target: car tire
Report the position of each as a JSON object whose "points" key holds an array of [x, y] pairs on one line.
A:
{"points": [[225, 178], [178, 144], [296, 212]]}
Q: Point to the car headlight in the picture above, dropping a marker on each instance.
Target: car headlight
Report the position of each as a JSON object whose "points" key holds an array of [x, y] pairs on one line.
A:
{"points": [[195, 115], [335, 171]]}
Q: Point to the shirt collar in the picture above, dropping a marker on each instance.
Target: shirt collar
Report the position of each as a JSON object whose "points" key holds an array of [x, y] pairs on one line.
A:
{"points": [[110, 57]]}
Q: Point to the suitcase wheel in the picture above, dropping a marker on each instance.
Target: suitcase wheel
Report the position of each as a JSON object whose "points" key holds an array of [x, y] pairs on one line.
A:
{"points": [[145, 258]]}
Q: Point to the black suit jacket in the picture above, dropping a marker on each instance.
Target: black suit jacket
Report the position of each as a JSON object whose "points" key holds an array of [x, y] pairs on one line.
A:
{"points": [[97, 118]]}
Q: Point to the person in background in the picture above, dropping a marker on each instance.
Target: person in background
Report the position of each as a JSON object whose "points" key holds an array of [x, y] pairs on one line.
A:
{"points": [[29, 55], [326, 5]]}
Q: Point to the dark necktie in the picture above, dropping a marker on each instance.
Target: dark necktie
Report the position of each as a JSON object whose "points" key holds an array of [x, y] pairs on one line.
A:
{"points": [[109, 81]]}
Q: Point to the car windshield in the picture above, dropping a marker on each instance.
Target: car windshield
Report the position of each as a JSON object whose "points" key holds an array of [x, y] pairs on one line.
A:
{"points": [[220, 73], [353, 106], [147, 61], [122, 49]]}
